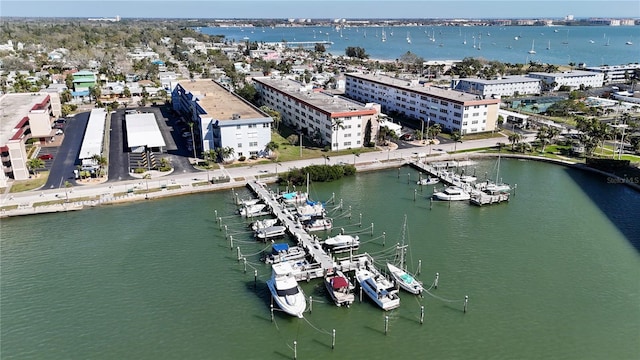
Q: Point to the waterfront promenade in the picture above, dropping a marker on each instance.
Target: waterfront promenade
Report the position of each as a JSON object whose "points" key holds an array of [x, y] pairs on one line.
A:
{"points": [[175, 184]]}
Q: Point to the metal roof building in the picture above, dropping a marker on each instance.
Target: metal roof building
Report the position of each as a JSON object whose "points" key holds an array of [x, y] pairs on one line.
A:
{"points": [[93, 136], [143, 132]]}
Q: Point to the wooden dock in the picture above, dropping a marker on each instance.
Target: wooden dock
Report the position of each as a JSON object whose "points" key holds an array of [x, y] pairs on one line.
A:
{"points": [[478, 197], [322, 263]]}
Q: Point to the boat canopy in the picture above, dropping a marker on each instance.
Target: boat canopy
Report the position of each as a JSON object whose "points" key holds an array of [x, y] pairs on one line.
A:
{"points": [[339, 282], [280, 247]]}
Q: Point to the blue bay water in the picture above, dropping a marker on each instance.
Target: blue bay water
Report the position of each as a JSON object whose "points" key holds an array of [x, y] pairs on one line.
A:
{"points": [[551, 274], [567, 44]]}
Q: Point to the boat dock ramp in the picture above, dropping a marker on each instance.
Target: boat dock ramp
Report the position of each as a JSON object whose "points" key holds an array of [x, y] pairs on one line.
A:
{"points": [[322, 262], [478, 196]]}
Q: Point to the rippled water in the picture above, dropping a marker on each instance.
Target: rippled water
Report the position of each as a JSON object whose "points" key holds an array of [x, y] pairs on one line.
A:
{"points": [[551, 274]]}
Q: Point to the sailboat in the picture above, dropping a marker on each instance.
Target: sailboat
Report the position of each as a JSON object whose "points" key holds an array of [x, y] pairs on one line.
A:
{"points": [[401, 277], [549, 45], [408, 38], [384, 35], [465, 40], [496, 187], [532, 51], [566, 42]]}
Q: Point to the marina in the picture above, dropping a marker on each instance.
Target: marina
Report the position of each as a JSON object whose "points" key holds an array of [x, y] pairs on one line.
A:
{"points": [[177, 289]]}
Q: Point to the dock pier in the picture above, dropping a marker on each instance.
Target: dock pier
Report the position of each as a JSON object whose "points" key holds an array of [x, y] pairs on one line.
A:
{"points": [[478, 197], [322, 262]]}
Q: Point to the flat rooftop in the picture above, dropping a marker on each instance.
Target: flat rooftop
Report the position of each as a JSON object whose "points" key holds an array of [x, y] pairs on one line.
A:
{"points": [[325, 101], [13, 108], [503, 80], [218, 102], [143, 130], [414, 86]]}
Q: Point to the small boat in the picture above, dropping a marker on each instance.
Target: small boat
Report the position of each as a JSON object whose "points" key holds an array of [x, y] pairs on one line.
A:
{"points": [[247, 202], [429, 181], [629, 43], [340, 243], [492, 188], [405, 280], [281, 252], [452, 193], [252, 210], [378, 288], [340, 289], [285, 290], [295, 197], [310, 211], [263, 224], [319, 224], [532, 51], [270, 232]]}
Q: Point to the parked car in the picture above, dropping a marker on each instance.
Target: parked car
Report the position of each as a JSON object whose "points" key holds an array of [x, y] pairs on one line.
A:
{"points": [[406, 137], [59, 132], [45, 157]]}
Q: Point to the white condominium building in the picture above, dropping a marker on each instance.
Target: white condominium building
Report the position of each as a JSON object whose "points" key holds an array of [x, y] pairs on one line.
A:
{"points": [[573, 79], [506, 86], [221, 118], [453, 110], [325, 118]]}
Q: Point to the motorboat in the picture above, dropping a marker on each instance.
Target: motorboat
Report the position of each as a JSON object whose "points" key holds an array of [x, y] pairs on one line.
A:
{"points": [[340, 288], [247, 202], [429, 181], [452, 193], [405, 280], [270, 232], [263, 224], [342, 242], [493, 188], [285, 290], [465, 178], [295, 197], [378, 288], [309, 211], [318, 224], [252, 210], [281, 252]]}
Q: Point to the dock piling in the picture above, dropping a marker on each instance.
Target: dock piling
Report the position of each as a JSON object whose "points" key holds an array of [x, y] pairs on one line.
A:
{"points": [[295, 350], [333, 339], [386, 324], [231, 242], [271, 310], [408, 178], [239, 255], [384, 237], [310, 304], [419, 267], [255, 279], [435, 282], [466, 301], [360, 223], [421, 314], [371, 229], [415, 193], [244, 259]]}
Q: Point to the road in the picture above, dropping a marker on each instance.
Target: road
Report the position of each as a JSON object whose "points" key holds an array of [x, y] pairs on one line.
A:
{"points": [[186, 179]]}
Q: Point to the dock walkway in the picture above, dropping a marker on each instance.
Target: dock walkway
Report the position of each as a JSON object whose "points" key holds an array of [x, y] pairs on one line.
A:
{"points": [[322, 262]]}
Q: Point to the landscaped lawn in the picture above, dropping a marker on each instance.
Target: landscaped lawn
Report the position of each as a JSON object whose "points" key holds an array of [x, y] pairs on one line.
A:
{"points": [[30, 184]]}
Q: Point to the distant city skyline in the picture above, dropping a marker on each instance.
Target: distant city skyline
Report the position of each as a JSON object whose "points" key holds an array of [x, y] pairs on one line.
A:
{"points": [[318, 9]]}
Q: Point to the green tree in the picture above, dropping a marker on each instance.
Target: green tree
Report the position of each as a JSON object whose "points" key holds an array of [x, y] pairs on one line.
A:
{"points": [[336, 125], [35, 164], [95, 92], [367, 134], [456, 137], [356, 52], [514, 138]]}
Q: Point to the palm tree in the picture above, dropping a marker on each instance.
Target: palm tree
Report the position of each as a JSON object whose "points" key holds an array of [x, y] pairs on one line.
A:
{"points": [[543, 136], [455, 136], [514, 138], [434, 131], [336, 125], [226, 152], [193, 141], [271, 147], [100, 160], [35, 164]]}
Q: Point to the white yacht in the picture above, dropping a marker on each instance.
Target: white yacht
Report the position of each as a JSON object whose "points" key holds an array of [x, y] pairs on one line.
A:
{"points": [[378, 288], [270, 232], [452, 193], [405, 280], [285, 290], [340, 243]]}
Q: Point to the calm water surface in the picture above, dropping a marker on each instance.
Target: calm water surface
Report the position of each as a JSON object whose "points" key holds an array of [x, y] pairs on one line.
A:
{"points": [[593, 45], [552, 274]]}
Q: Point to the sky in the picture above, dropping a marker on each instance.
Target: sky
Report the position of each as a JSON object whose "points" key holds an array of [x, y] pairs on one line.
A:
{"points": [[318, 9]]}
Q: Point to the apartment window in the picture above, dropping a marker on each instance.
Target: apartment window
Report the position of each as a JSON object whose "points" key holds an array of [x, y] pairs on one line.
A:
{"points": [[253, 144], [239, 127], [239, 145]]}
